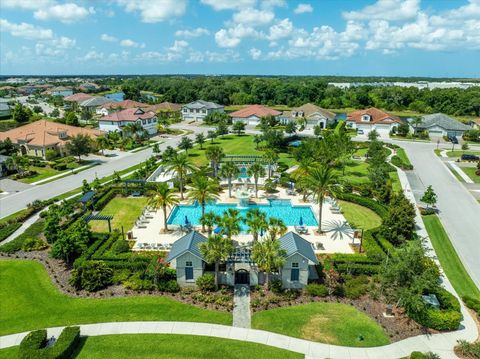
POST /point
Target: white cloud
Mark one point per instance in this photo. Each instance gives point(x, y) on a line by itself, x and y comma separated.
point(253, 17)
point(280, 30)
point(131, 43)
point(223, 39)
point(63, 42)
point(218, 5)
point(108, 38)
point(25, 31)
point(44, 50)
point(231, 37)
point(255, 53)
point(66, 13)
point(26, 4)
point(270, 4)
point(152, 11)
point(93, 55)
point(390, 10)
point(179, 46)
point(199, 31)
point(303, 8)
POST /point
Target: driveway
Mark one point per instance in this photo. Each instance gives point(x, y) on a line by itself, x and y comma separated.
point(10, 186)
point(458, 210)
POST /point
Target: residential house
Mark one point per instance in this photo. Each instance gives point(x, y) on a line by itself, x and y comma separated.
point(309, 115)
point(251, 115)
point(92, 103)
point(109, 107)
point(59, 91)
point(5, 109)
point(78, 97)
point(198, 110)
point(440, 124)
point(116, 121)
point(89, 87)
point(168, 108)
point(371, 119)
point(476, 123)
point(35, 138)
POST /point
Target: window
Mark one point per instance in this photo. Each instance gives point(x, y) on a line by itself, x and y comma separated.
point(294, 265)
point(188, 264)
point(189, 273)
point(294, 274)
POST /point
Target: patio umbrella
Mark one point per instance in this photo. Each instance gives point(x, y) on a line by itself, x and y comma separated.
point(291, 185)
point(301, 221)
point(261, 232)
point(217, 230)
point(187, 222)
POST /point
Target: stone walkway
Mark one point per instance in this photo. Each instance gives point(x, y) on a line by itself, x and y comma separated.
point(241, 306)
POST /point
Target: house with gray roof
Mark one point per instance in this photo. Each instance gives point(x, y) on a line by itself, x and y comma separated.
point(198, 110)
point(92, 103)
point(439, 124)
point(300, 261)
point(5, 109)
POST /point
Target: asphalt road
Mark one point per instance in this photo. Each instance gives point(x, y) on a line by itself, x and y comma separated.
point(17, 201)
point(459, 212)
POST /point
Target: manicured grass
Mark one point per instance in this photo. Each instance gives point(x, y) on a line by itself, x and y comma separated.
point(403, 156)
point(176, 347)
point(460, 153)
point(448, 257)
point(233, 145)
point(46, 172)
point(359, 216)
point(362, 152)
point(9, 353)
point(125, 211)
point(396, 185)
point(356, 172)
point(331, 323)
point(30, 301)
point(470, 172)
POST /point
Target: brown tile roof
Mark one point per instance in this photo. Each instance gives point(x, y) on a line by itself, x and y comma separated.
point(309, 109)
point(78, 97)
point(45, 133)
point(255, 110)
point(164, 106)
point(376, 115)
point(130, 114)
point(122, 104)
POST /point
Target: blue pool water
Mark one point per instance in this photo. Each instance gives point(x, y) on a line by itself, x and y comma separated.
point(117, 96)
point(243, 173)
point(281, 209)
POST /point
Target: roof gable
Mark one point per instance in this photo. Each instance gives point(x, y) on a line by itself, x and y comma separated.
point(292, 243)
point(188, 243)
point(255, 110)
point(443, 121)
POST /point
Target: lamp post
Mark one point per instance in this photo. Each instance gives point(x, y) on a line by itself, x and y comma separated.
point(361, 241)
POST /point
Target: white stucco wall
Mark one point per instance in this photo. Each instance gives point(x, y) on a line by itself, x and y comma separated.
point(180, 263)
point(303, 272)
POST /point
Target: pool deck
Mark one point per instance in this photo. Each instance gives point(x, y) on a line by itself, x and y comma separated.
point(152, 231)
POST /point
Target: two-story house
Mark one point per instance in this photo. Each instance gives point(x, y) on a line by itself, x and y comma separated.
point(309, 115)
point(116, 121)
point(198, 110)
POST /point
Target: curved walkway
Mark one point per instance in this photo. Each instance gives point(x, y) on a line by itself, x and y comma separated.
point(441, 344)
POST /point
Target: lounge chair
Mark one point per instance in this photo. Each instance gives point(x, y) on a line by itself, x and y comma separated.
point(320, 246)
point(301, 229)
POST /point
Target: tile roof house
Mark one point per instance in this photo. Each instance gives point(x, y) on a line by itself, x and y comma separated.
point(440, 124)
point(164, 107)
point(108, 107)
point(37, 137)
point(115, 121)
point(372, 119)
point(77, 97)
point(252, 114)
point(312, 114)
point(198, 110)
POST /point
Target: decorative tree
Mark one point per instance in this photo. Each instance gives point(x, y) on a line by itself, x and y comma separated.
point(180, 165)
point(185, 144)
point(291, 128)
point(270, 157)
point(373, 135)
point(212, 135)
point(80, 145)
point(256, 171)
point(203, 190)
point(256, 220)
point(102, 142)
point(230, 223)
point(200, 139)
point(429, 197)
point(276, 228)
point(269, 256)
point(399, 225)
point(216, 250)
point(229, 170)
point(209, 219)
point(238, 127)
point(215, 155)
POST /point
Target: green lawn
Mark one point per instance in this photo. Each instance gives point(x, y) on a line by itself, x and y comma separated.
point(124, 210)
point(359, 216)
point(356, 172)
point(459, 153)
point(403, 156)
point(30, 301)
point(470, 171)
point(46, 172)
point(176, 347)
point(9, 353)
point(331, 323)
point(451, 263)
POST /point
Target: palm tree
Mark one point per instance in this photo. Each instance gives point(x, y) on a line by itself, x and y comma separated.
point(180, 164)
point(269, 256)
point(102, 143)
point(217, 249)
point(270, 157)
point(209, 219)
point(256, 171)
point(256, 220)
point(203, 190)
point(230, 223)
point(302, 172)
point(229, 170)
point(162, 197)
point(214, 154)
point(134, 129)
point(257, 139)
point(276, 228)
point(415, 122)
point(320, 182)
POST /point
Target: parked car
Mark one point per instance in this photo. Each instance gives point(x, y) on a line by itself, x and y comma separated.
point(467, 157)
point(360, 132)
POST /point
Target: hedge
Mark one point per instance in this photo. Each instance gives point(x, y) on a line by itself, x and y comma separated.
point(105, 198)
point(378, 208)
point(31, 232)
point(8, 230)
point(33, 345)
point(472, 303)
point(357, 268)
point(66, 343)
point(397, 161)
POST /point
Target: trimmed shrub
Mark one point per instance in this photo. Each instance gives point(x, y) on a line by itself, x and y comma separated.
point(66, 343)
point(92, 276)
point(378, 208)
point(206, 282)
point(31, 345)
point(316, 290)
point(356, 287)
point(169, 286)
point(34, 244)
point(276, 286)
point(472, 303)
point(417, 355)
point(6, 231)
point(397, 161)
point(120, 246)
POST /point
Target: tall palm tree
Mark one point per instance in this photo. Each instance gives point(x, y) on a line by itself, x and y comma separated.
point(270, 157)
point(269, 256)
point(102, 143)
point(181, 165)
point(217, 249)
point(320, 182)
point(209, 219)
point(162, 197)
point(256, 171)
point(256, 220)
point(215, 155)
point(276, 228)
point(304, 167)
point(229, 170)
point(230, 223)
point(203, 190)
point(134, 129)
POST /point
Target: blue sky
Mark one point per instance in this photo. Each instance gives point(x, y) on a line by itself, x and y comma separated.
point(264, 37)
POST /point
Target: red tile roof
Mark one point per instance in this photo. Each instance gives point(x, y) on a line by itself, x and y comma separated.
point(130, 114)
point(255, 110)
point(77, 97)
point(122, 104)
point(164, 106)
point(376, 116)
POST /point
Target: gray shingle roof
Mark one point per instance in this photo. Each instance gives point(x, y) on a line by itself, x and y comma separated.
point(202, 104)
point(94, 101)
point(444, 121)
point(188, 243)
point(292, 243)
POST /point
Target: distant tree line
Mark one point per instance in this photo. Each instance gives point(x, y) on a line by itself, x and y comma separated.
point(295, 91)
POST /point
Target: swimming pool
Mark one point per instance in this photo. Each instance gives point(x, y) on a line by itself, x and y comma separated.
point(282, 209)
